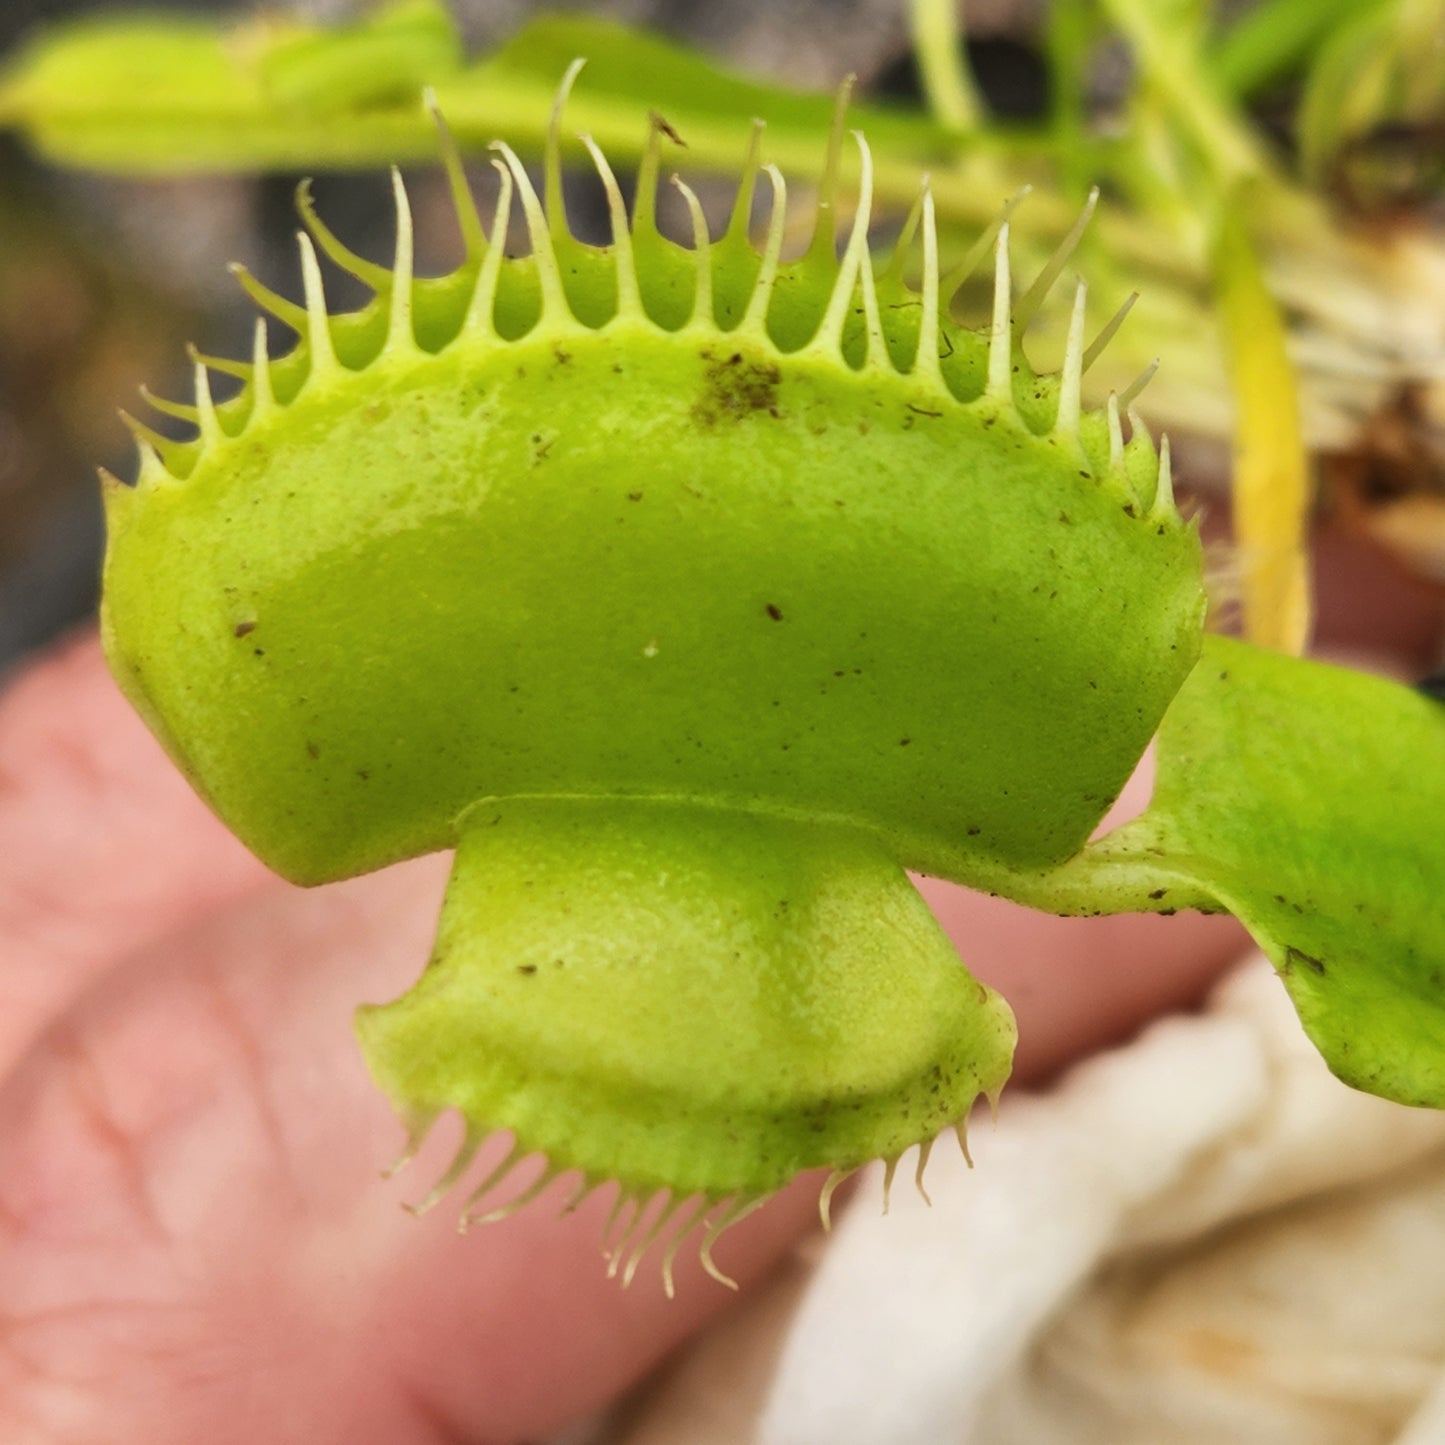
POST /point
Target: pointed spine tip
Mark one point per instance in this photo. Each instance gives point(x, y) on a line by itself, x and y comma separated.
point(208, 420)
point(927, 364)
point(629, 297)
point(481, 318)
point(263, 397)
point(544, 255)
point(925, 1149)
point(1034, 297)
point(1132, 392)
point(464, 203)
point(1111, 327)
point(1071, 374)
point(702, 307)
point(461, 1162)
point(981, 247)
point(287, 312)
point(855, 272)
point(552, 152)
point(400, 334)
point(756, 316)
point(152, 450)
point(1000, 336)
point(1116, 436)
point(741, 220)
point(825, 220)
point(960, 1132)
point(318, 321)
point(1164, 504)
point(890, 1168)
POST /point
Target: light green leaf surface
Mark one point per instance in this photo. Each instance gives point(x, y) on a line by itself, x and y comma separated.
point(1308, 800)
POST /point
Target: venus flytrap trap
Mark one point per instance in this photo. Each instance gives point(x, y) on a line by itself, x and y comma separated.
point(692, 594)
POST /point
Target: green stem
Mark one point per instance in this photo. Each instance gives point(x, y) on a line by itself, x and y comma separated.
point(948, 88)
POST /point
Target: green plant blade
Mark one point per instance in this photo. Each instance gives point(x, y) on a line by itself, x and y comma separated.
point(1309, 801)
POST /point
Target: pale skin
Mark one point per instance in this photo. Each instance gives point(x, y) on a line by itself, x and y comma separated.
point(194, 1240)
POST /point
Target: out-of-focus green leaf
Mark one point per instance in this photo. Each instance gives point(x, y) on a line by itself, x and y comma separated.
point(1271, 40)
point(147, 94)
point(405, 47)
point(1386, 67)
point(158, 95)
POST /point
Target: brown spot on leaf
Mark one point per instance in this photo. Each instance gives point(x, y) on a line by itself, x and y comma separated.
point(1293, 956)
point(736, 388)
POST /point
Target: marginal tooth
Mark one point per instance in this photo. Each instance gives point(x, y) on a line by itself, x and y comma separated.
point(824, 245)
point(981, 247)
point(829, 336)
point(494, 1176)
point(1096, 347)
point(474, 240)
point(644, 194)
point(740, 223)
point(181, 410)
point(825, 1197)
point(1163, 504)
point(877, 356)
point(270, 301)
point(466, 1152)
point(158, 454)
point(757, 313)
point(890, 1167)
point(924, 1150)
point(208, 422)
point(892, 278)
point(623, 1199)
point(1033, 298)
point(416, 1133)
point(147, 453)
point(512, 1206)
point(619, 1251)
point(481, 312)
point(1000, 336)
point(734, 1213)
point(263, 398)
point(399, 328)
point(664, 1217)
point(629, 299)
point(226, 365)
point(1135, 387)
point(926, 361)
point(1071, 374)
point(573, 1202)
point(702, 313)
point(544, 256)
point(318, 321)
point(644, 197)
point(680, 1234)
point(960, 1132)
point(1116, 435)
point(367, 272)
point(552, 155)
